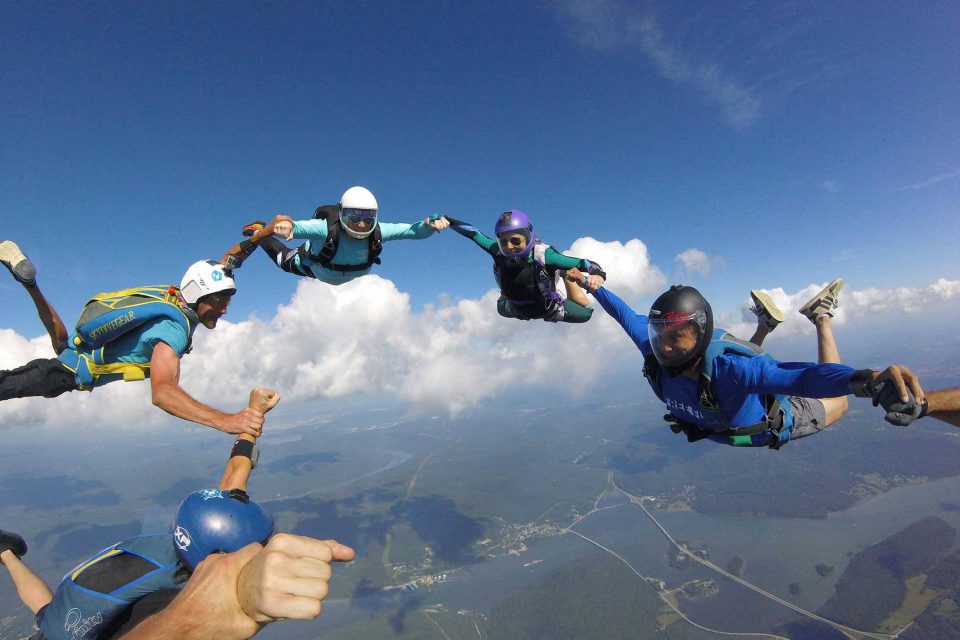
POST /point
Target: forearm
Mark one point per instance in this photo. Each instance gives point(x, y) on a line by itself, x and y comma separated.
point(177, 402)
point(944, 404)
point(238, 468)
point(467, 230)
point(167, 625)
point(804, 379)
point(554, 258)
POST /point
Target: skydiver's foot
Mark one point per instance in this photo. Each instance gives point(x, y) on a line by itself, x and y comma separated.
point(10, 541)
point(767, 312)
point(17, 263)
point(253, 227)
point(824, 303)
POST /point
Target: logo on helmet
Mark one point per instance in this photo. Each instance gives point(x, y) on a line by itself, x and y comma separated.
point(211, 494)
point(182, 538)
point(217, 276)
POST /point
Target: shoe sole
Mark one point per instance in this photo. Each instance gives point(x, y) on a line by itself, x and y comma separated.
point(831, 290)
point(253, 227)
point(766, 303)
point(18, 264)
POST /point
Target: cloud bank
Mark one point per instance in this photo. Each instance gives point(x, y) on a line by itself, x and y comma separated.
point(363, 340)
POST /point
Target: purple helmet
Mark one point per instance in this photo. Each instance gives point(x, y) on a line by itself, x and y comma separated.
point(511, 223)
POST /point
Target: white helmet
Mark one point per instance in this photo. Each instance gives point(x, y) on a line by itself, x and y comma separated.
point(203, 278)
point(358, 207)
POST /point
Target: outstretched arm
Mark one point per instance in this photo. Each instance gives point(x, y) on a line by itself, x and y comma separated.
point(239, 465)
point(467, 230)
point(169, 396)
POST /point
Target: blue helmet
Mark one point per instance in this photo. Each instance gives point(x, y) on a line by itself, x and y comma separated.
point(514, 222)
point(213, 520)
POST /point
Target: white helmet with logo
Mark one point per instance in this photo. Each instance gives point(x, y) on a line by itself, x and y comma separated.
point(203, 278)
point(358, 212)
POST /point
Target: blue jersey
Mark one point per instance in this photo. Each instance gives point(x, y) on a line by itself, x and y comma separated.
point(349, 250)
point(739, 382)
point(135, 346)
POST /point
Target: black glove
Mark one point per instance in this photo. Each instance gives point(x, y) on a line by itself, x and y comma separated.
point(899, 412)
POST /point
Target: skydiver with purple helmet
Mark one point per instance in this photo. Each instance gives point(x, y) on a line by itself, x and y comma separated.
point(527, 271)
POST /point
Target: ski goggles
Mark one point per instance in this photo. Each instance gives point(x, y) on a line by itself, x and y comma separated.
point(355, 216)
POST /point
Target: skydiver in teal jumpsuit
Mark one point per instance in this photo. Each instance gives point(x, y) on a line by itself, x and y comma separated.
point(527, 272)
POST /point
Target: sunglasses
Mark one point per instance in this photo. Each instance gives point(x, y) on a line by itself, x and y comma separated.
point(221, 300)
point(513, 241)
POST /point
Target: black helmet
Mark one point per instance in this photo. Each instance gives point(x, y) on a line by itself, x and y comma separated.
point(678, 308)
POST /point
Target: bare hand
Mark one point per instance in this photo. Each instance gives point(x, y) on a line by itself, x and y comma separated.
point(289, 578)
point(247, 421)
point(263, 399)
point(590, 283)
point(439, 224)
point(593, 283)
point(574, 275)
point(281, 226)
point(902, 378)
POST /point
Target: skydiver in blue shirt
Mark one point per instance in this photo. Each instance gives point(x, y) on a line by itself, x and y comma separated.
point(151, 349)
point(724, 389)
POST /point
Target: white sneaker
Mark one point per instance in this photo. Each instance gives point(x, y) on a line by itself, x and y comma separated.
point(17, 263)
point(824, 302)
point(767, 312)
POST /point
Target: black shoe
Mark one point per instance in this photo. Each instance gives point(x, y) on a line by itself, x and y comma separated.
point(13, 542)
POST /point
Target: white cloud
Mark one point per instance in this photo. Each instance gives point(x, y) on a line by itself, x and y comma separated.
point(627, 265)
point(695, 261)
point(945, 289)
point(363, 339)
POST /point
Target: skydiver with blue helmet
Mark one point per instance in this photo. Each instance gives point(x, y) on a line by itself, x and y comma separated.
point(343, 241)
point(527, 272)
point(128, 335)
point(720, 388)
point(135, 586)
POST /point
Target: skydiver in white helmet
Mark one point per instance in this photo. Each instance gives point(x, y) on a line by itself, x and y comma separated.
point(343, 241)
point(132, 334)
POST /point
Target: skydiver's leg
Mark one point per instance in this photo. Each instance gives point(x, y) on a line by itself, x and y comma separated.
point(575, 293)
point(24, 271)
point(505, 309)
point(284, 257)
point(575, 312)
point(42, 377)
point(768, 316)
point(819, 310)
point(32, 590)
point(50, 319)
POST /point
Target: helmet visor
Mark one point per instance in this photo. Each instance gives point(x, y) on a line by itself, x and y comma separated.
point(358, 220)
point(675, 335)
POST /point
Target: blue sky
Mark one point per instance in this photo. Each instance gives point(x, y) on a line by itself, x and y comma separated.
point(791, 143)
